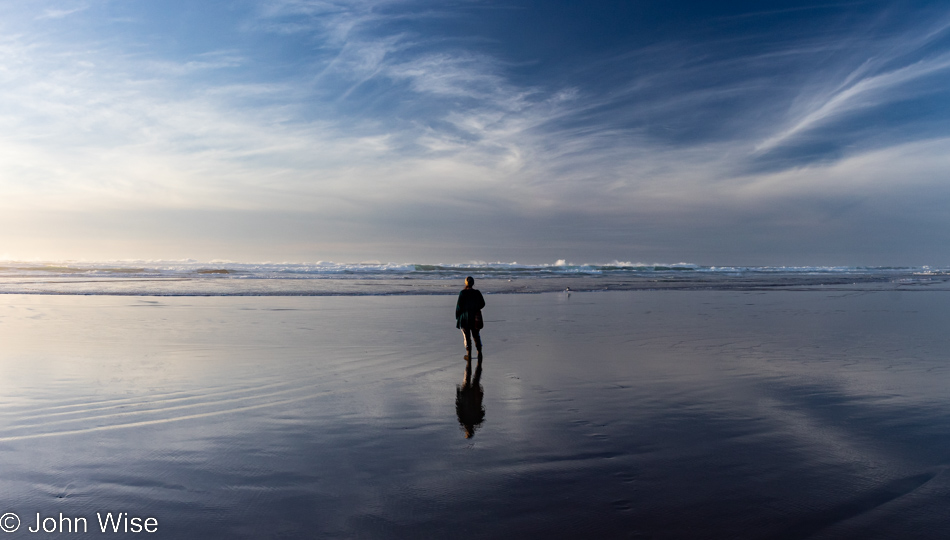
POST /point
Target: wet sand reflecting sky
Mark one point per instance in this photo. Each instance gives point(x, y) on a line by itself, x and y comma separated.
point(676, 414)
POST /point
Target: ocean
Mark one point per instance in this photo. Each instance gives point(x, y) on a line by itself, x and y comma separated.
point(222, 278)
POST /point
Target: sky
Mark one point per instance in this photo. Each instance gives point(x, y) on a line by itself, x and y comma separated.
point(728, 132)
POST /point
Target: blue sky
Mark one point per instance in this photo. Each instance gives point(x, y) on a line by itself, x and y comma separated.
point(452, 131)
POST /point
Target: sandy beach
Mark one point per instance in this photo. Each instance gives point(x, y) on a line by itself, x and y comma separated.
point(646, 414)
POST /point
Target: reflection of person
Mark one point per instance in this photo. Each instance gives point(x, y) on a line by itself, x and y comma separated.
point(468, 400)
point(468, 316)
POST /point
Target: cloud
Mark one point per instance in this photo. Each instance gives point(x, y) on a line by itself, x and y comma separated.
point(51, 13)
point(866, 92)
point(374, 116)
point(875, 82)
point(88, 128)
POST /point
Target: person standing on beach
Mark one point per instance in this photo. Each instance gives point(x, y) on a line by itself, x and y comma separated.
point(468, 317)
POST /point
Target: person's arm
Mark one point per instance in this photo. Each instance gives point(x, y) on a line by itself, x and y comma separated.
point(481, 300)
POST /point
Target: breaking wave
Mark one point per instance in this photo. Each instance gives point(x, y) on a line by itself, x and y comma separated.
point(223, 278)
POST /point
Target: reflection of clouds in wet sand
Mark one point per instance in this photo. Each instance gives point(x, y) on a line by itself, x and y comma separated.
point(653, 413)
point(468, 399)
point(145, 411)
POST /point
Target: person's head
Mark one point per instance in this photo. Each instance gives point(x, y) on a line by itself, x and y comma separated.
point(469, 282)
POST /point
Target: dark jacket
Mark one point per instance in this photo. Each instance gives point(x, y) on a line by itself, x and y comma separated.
point(469, 304)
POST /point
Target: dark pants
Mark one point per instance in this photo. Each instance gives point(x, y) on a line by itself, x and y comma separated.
point(468, 334)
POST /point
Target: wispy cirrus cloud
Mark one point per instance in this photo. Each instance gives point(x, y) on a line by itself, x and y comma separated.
point(52, 13)
point(681, 123)
point(876, 82)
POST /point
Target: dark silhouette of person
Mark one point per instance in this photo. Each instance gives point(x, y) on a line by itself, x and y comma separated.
point(468, 317)
point(468, 400)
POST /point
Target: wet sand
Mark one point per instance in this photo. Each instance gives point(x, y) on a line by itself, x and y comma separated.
point(647, 414)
